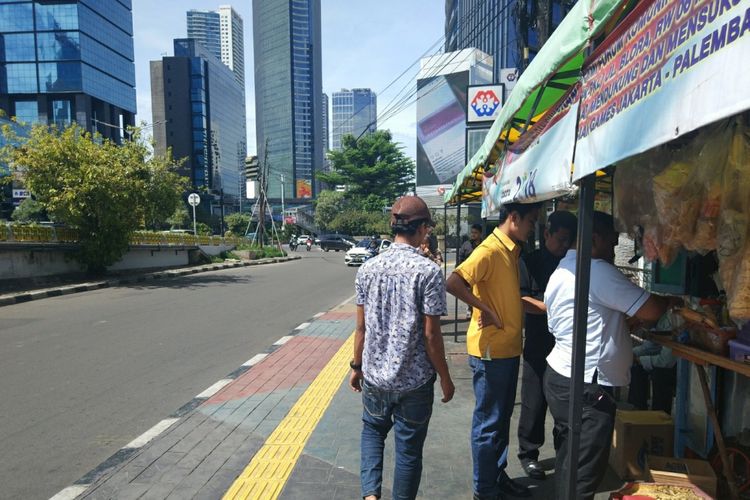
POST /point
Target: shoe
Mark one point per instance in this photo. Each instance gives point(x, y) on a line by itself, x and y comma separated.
point(533, 470)
point(511, 487)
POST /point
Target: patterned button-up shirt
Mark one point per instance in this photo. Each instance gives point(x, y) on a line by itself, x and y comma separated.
point(397, 288)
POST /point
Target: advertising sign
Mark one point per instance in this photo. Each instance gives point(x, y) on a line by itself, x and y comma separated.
point(508, 77)
point(538, 166)
point(20, 194)
point(670, 67)
point(304, 188)
point(484, 103)
point(441, 127)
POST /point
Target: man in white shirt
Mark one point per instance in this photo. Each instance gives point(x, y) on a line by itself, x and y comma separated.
point(609, 352)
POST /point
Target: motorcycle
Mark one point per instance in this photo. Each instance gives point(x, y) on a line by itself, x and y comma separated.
point(293, 246)
point(309, 245)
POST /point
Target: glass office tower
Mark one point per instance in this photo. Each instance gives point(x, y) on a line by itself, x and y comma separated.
point(288, 93)
point(198, 111)
point(68, 61)
point(221, 32)
point(204, 26)
point(355, 113)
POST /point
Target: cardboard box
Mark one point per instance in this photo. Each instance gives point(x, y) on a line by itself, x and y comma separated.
point(639, 434)
point(683, 471)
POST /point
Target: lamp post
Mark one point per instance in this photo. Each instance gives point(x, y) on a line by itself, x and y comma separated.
point(283, 211)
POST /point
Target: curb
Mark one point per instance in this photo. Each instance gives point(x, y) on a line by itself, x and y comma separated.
point(18, 298)
point(80, 486)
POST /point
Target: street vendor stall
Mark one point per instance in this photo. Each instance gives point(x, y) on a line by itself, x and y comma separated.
point(660, 101)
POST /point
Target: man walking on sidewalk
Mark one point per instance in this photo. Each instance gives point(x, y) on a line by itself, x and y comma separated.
point(398, 349)
point(536, 268)
point(489, 282)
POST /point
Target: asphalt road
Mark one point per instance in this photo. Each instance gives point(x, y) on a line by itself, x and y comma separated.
point(84, 374)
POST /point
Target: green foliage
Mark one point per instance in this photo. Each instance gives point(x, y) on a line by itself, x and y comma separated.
point(373, 165)
point(328, 205)
point(237, 223)
point(29, 210)
point(203, 229)
point(103, 190)
point(180, 219)
point(357, 222)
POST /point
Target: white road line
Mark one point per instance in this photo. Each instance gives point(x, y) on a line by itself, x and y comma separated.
point(302, 326)
point(214, 388)
point(283, 340)
point(151, 433)
point(318, 315)
point(347, 301)
point(255, 360)
point(70, 492)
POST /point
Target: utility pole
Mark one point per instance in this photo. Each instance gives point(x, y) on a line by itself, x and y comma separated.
point(283, 211)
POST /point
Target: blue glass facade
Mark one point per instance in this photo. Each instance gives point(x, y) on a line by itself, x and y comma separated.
point(56, 51)
point(288, 93)
point(205, 26)
point(354, 113)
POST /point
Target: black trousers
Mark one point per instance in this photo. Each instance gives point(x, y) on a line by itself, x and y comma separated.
point(597, 425)
point(662, 381)
point(533, 409)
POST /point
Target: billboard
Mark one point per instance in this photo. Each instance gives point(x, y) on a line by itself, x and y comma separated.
point(484, 103)
point(304, 188)
point(441, 127)
point(508, 77)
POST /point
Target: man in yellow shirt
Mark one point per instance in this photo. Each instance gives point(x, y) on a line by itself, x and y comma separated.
point(488, 281)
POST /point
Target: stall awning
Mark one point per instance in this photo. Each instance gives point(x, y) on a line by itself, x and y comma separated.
point(551, 73)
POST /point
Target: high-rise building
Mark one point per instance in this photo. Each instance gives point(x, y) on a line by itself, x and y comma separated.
point(511, 35)
point(195, 111)
point(67, 61)
point(288, 93)
point(326, 128)
point(355, 113)
point(221, 32)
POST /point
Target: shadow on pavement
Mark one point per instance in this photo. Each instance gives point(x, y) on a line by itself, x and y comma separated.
point(189, 282)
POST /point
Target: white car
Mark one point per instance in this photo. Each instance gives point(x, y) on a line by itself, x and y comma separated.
point(359, 253)
point(302, 239)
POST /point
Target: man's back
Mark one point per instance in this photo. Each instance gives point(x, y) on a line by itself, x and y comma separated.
point(397, 289)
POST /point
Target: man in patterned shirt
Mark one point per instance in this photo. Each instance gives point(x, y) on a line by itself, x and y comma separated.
point(398, 349)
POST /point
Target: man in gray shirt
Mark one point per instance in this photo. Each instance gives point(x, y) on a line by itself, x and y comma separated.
point(398, 350)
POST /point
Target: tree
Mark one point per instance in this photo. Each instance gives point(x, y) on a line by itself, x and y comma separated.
point(237, 222)
point(328, 205)
point(180, 219)
point(104, 190)
point(373, 165)
point(357, 222)
point(29, 210)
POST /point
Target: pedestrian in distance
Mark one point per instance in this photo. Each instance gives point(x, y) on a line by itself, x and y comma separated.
point(399, 351)
point(609, 353)
point(488, 281)
point(536, 267)
point(475, 238)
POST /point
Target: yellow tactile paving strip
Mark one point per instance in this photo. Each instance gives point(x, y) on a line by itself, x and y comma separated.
point(270, 468)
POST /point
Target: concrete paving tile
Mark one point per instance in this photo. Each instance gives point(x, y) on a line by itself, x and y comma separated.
point(301, 491)
point(158, 492)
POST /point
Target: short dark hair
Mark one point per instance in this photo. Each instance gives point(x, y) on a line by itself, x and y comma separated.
point(603, 223)
point(521, 208)
point(478, 227)
point(563, 220)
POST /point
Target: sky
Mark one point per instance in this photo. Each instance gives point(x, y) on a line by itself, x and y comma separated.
point(365, 44)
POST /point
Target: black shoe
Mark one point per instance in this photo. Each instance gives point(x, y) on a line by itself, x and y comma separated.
point(533, 469)
point(511, 487)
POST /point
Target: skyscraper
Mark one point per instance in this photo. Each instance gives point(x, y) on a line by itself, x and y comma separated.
point(69, 61)
point(326, 128)
point(355, 113)
point(221, 32)
point(195, 111)
point(288, 93)
point(510, 33)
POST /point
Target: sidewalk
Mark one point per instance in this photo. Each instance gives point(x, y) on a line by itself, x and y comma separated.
point(286, 425)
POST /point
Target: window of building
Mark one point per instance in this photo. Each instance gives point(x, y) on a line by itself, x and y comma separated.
point(57, 16)
point(26, 111)
point(58, 46)
point(16, 17)
point(60, 77)
point(17, 48)
point(19, 79)
point(62, 113)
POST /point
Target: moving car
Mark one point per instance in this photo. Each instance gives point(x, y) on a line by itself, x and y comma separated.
point(364, 250)
point(336, 242)
point(302, 239)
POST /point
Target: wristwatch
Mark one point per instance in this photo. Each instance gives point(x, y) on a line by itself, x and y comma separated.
point(354, 366)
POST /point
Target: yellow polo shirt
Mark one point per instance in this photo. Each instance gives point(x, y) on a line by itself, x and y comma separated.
point(492, 272)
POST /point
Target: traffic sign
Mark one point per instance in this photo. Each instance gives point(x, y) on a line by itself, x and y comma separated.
point(194, 199)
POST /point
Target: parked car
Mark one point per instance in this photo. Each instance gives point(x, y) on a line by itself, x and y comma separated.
point(302, 239)
point(336, 242)
point(365, 250)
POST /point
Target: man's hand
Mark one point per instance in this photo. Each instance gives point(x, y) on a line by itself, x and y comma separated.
point(446, 384)
point(488, 318)
point(355, 380)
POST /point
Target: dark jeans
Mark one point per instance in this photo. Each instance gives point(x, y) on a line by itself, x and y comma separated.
point(662, 381)
point(597, 425)
point(533, 409)
point(495, 392)
point(408, 412)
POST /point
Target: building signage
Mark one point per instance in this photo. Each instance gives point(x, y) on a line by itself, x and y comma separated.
point(20, 194)
point(484, 102)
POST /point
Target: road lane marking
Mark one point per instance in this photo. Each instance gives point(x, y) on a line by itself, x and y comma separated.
point(318, 315)
point(270, 468)
point(215, 388)
point(255, 360)
point(70, 492)
point(346, 301)
point(283, 340)
point(151, 433)
point(303, 326)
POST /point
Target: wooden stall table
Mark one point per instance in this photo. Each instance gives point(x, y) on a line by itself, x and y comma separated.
point(701, 359)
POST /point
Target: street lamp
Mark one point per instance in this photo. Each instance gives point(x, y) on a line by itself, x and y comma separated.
point(283, 212)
